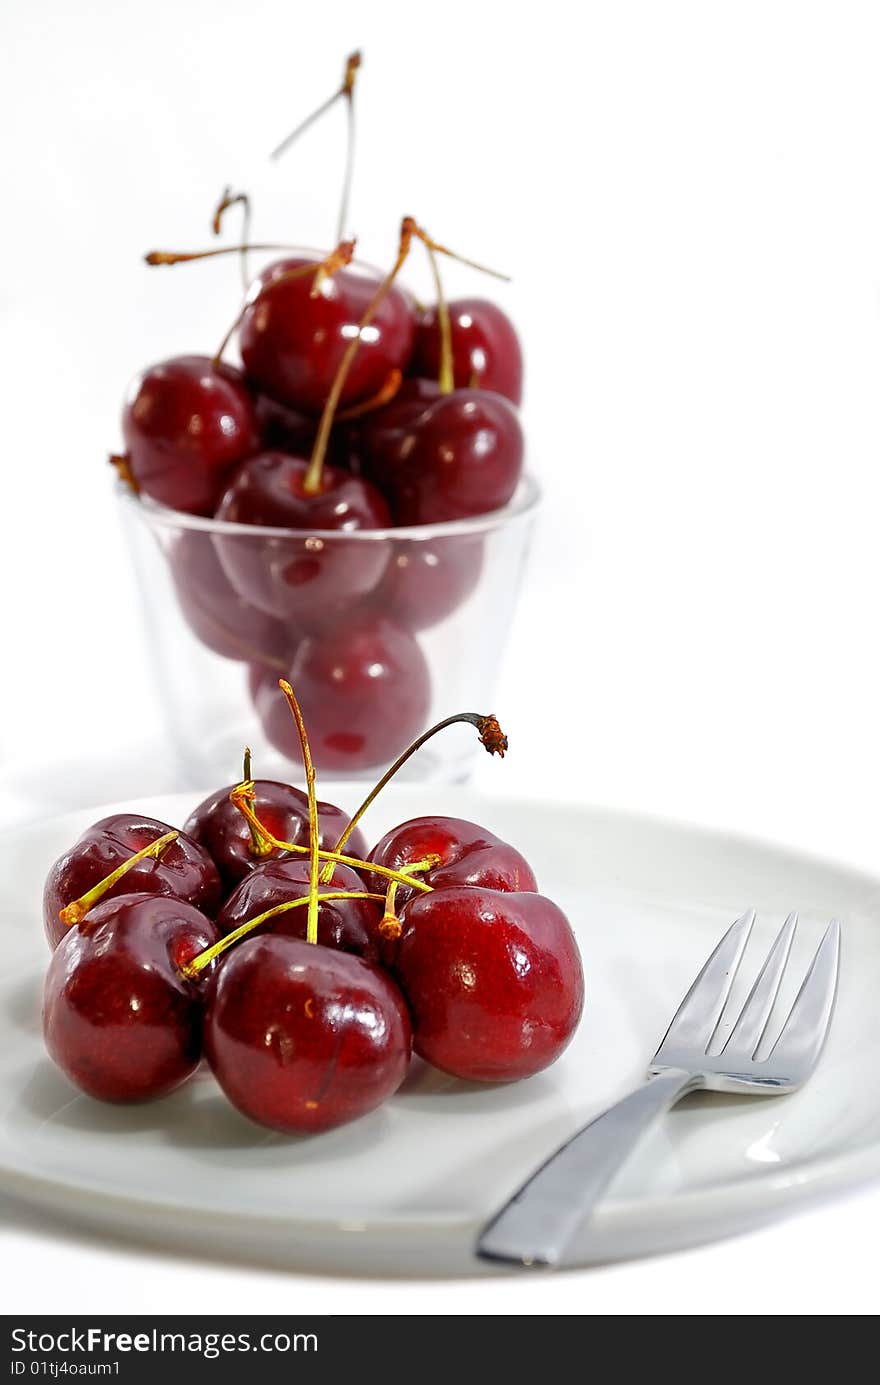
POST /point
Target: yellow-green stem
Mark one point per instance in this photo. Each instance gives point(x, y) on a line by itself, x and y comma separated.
point(447, 375)
point(232, 199)
point(312, 480)
point(78, 908)
point(314, 832)
point(260, 844)
point(239, 800)
point(203, 959)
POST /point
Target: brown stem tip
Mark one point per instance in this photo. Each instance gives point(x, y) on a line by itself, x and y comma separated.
point(491, 736)
point(119, 461)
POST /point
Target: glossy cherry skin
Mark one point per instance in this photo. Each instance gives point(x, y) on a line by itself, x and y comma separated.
point(293, 342)
point(364, 689)
point(427, 580)
point(215, 612)
point(485, 348)
point(218, 826)
point(187, 423)
point(119, 1018)
point(468, 855)
point(493, 980)
point(301, 1037)
point(184, 870)
point(445, 457)
point(351, 925)
point(309, 578)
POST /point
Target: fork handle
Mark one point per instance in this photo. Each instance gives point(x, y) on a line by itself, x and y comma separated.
point(536, 1226)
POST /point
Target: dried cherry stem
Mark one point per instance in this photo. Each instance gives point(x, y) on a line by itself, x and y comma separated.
point(78, 908)
point(324, 269)
point(260, 845)
point(231, 199)
point(312, 479)
point(312, 921)
point(198, 963)
point(376, 401)
point(243, 795)
point(491, 736)
point(345, 92)
point(122, 465)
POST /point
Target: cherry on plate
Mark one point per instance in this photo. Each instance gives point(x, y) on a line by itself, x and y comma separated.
point(493, 980)
point(302, 1038)
point(119, 1016)
point(466, 853)
point(350, 925)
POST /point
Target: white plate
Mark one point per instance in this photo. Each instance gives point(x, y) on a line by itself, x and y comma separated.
point(404, 1189)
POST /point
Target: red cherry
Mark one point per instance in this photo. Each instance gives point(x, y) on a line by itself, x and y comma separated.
point(307, 578)
point(184, 870)
point(348, 924)
point(468, 855)
point(485, 347)
point(218, 826)
point(364, 688)
point(215, 612)
point(426, 580)
point(119, 1017)
point(187, 422)
point(293, 340)
point(494, 981)
point(302, 1038)
point(444, 457)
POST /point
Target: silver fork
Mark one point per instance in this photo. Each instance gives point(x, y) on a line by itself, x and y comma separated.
point(537, 1225)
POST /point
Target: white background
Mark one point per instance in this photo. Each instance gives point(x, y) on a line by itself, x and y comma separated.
point(688, 197)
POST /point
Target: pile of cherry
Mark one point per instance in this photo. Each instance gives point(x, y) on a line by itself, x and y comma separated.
point(304, 968)
point(355, 409)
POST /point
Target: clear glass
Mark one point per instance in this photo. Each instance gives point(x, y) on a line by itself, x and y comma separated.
point(381, 633)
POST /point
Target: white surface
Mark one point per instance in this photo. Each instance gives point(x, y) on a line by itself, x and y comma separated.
point(687, 196)
point(406, 1190)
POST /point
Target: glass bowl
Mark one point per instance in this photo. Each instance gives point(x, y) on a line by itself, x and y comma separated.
point(380, 632)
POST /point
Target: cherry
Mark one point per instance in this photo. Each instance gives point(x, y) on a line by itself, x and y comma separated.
point(348, 924)
point(215, 612)
point(301, 1037)
point(218, 826)
point(187, 422)
point(303, 578)
point(485, 347)
point(466, 855)
point(119, 1017)
point(283, 429)
point(293, 340)
point(184, 870)
point(493, 980)
point(439, 457)
point(364, 688)
point(426, 580)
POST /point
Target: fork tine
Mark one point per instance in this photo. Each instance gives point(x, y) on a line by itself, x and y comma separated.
point(755, 1015)
point(803, 1033)
point(696, 1018)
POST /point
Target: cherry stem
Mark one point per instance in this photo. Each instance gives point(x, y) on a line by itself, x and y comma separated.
point(344, 92)
point(314, 847)
point(260, 844)
point(312, 480)
point(446, 380)
point(203, 959)
point(324, 269)
point(491, 736)
point(119, 461)
point(172, 257)
point(239, 799)
point(78, 908)
point(376, 401)
point(231, 199)
point(390, 924)
point(438, 249)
